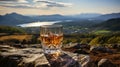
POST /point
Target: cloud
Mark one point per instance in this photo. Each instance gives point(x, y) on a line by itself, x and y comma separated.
point(8, 0)
point(54, 3)
point(33, 4)
point(18, 6)
point(14, 0)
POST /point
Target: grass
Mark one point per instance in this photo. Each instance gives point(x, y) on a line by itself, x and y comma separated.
point(18, 37)
point(102, 31)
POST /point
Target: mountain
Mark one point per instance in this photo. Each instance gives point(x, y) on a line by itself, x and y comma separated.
point(111, 24)
point(107, 16)
point(86, 15)
point(14, 19)
point(77, 23)
point(54, 17)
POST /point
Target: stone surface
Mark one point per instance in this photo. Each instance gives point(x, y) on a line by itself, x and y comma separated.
point(105, 63)
point(27, 57)
point(100, 49)
point(80, 51)
point(34, 57)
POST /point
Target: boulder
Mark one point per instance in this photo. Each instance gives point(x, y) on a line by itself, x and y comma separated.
point(100, 49)
point(105, 63)
point(34, 57)
point(92, 64)
point(81, 51)
point(115, 46)
point(81, 46)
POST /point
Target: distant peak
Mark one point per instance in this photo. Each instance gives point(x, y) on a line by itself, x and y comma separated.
point(57, 14)
point(10, 13)
point(51, 15)
point(13, 14)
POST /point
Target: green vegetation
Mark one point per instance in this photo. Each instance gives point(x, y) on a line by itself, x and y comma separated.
point(11, 30)
point(23, 39)
point(111, 25)
point(15, 38)
point(101, 31)
point(93, 39)
point(78, 38)
point(114, 39)
point(83, 32)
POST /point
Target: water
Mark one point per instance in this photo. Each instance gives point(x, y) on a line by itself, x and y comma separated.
point(38, 24)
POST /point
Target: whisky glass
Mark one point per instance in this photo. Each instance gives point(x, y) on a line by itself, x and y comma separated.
point(51, 38)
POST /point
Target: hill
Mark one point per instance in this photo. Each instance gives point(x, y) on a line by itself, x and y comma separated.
point(111, 24)
point(86, 15)
point(80, 23)
point(54, 17)
point(10, 30)
point(14, 19)
point(107, 16)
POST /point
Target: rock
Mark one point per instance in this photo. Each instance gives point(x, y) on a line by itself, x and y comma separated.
point(81, 46)
point(92, 64)
point(115, 46)
point(100, 49)
point(19, 46)
point(105, 63)
point(42, 62)
point(34, 57)
point(63, 60)
point(81, 51)
point(84, 60)
point(27, 57)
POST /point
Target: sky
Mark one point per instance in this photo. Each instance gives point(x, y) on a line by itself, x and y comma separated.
point(64, 7)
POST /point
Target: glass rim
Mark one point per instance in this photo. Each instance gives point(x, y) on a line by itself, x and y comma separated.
point(51, 26)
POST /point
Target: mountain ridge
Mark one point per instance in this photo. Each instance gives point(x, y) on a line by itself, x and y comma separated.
point(108, 16)
point(14, 19)
point(86, 15)
point(111, 24)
